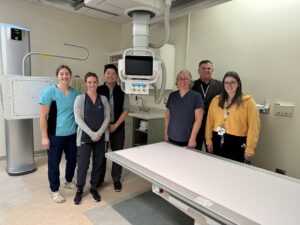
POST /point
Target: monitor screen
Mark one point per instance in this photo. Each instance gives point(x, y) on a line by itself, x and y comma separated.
point(139, 65)
point(16, 34)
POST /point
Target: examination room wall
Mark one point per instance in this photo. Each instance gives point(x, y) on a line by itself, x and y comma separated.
point(260, 40)
point(50, 29)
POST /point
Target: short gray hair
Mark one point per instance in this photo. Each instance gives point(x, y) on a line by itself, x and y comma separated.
point(189, 75)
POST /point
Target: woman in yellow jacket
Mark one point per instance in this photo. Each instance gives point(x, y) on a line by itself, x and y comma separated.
point(232, 127)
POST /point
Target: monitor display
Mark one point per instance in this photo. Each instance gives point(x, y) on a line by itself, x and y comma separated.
point(16, 34)
point(139, 65)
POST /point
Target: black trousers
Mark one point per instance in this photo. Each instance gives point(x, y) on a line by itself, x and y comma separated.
point(116, 141)
point(97, 149)
point(232, 148)
point(58, 145)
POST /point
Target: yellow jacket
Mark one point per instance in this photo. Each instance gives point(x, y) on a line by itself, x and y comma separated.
point(241, 121)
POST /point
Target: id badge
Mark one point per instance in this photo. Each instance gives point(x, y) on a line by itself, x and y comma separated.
point(221, 131)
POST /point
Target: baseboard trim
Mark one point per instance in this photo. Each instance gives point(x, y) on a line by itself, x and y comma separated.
point(36, 153)
point(40, 152)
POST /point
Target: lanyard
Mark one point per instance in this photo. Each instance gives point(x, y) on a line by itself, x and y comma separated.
point(226, 114)
point(204, 92)
point(222, 129)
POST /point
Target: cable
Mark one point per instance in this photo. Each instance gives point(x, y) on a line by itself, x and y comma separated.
point(158, 96)
point(167, 28)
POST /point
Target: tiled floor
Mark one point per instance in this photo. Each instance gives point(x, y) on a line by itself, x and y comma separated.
point(26, 199)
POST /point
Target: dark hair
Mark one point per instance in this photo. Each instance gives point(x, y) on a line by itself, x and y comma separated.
point(110, 66)
point(237, 98)
point(90, 74)
point(204, 62)
point(63, 67)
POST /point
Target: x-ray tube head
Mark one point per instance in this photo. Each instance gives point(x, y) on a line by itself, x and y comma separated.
point(139, 68)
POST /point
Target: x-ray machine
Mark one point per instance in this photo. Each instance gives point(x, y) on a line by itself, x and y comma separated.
point(18, 134)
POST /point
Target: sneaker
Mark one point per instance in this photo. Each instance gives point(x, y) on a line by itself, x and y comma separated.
point(71, 185)
point(57, 197)
point(117, 186)
point(95, 195)
point(78, 196)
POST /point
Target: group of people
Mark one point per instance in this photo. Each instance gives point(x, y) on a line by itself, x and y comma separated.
point(212, 114)
point(82, 126)
point(205, 113)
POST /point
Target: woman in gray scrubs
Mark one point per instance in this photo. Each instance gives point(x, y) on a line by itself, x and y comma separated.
point(92, 114)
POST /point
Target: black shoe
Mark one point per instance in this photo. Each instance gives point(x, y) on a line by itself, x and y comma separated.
point(78, 196)
point(95, 195)
point(117, 186)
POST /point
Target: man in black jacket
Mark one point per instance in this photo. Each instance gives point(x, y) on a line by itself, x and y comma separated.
point(119, 107)
point(208, 89)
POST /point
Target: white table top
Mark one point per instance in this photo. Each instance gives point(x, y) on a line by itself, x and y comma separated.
point(262, 196)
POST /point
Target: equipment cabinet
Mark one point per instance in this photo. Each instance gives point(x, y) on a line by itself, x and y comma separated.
point(138, 137)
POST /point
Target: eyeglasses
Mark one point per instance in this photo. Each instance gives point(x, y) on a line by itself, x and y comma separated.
point(230, 83)
point(183, 79)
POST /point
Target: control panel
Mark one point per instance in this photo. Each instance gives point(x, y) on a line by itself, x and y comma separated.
point(136, 87)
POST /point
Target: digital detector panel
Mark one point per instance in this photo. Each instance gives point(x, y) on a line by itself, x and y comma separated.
point(20, 95)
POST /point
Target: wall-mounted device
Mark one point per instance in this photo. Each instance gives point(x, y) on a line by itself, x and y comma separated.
point(281, 109)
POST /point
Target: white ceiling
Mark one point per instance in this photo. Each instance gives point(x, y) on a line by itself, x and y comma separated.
point(114, 10)
point(120, 18)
